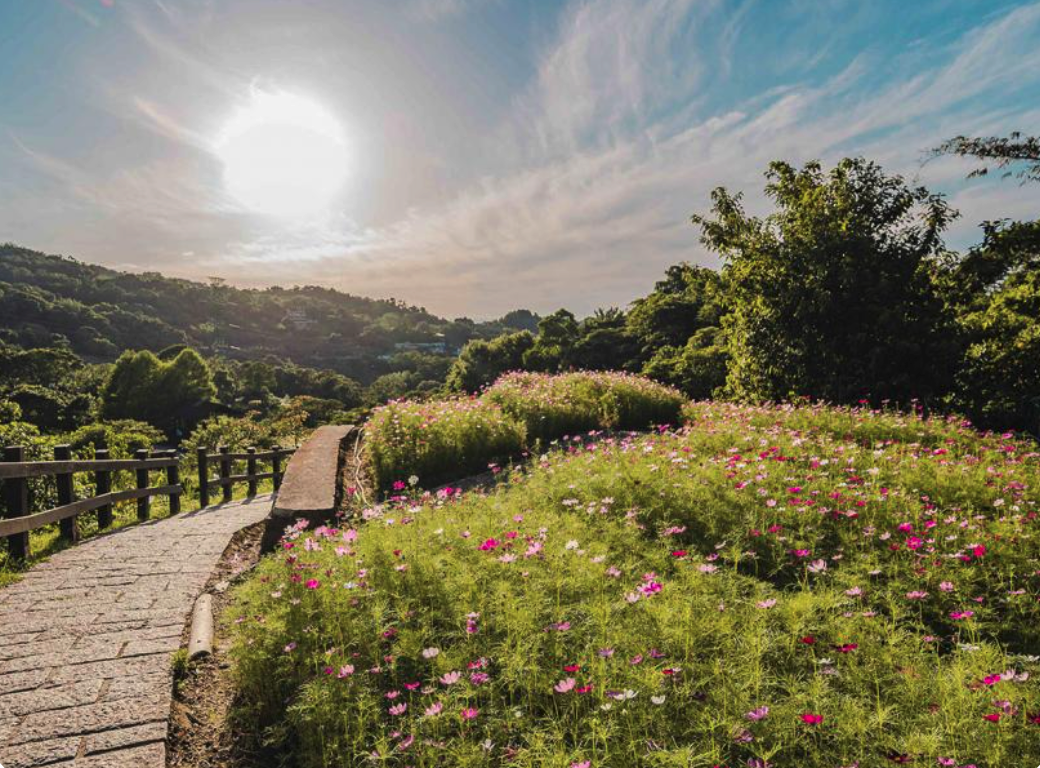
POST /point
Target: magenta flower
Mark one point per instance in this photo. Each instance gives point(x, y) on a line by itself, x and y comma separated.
point(811, 719)
point(470, 713)
point(313, 584)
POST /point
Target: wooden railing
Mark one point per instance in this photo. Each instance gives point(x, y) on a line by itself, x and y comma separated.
point(16, 522)
point(15, 473)
point(224, 460)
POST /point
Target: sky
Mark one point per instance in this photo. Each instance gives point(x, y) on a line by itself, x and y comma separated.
point(489, 154)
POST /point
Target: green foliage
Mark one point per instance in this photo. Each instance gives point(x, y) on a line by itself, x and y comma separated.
point(672, 600)
point(171, 395)
point(552, 407)
point(834, 294)
point(698, 369)
point(557, 335)
point(481, 362)
point(438, 440)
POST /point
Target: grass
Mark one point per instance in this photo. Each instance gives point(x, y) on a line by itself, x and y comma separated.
point(781, 587)
point(438, 440)
point(551, 407)
point(445, 440)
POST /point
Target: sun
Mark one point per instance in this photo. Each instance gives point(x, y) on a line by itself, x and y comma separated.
point(283, 155)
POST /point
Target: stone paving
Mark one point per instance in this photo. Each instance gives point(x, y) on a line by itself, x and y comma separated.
point(86, 640)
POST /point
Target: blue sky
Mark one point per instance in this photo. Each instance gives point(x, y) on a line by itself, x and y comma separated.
point(502, 153)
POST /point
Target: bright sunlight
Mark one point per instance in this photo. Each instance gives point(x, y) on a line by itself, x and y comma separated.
point(283, 155)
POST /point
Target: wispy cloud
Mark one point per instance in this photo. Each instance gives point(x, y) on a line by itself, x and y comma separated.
point(436, 10)
point(604, 194)
point(583, 194)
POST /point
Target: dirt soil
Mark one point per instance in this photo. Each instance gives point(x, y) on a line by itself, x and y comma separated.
point(201, 732)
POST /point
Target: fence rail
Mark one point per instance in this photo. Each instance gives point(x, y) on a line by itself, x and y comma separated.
point(224, 461)
point(16, 521)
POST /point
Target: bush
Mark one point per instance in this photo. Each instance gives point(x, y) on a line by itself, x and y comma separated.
point(553, 406)
point(769, 587)
point(438, 440)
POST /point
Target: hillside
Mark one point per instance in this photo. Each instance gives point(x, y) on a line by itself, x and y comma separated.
point(765, 586)
point(102, 312)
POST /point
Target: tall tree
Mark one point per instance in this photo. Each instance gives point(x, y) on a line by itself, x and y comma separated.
point(834, 294)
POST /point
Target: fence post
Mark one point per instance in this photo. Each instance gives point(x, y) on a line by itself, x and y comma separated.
point(143, 503)
point(16, 499)
point(103, 483)
point(251, 471)
point(276, 466)
point(203, 460)
point(173, 477)
point(66, 492)
point(225, 472)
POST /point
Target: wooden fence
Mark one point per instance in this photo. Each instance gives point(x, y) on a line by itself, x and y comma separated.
point(16, 521)
point(224, 460)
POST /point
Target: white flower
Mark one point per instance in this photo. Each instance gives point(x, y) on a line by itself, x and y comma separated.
point(413, 480)
point(658, 699)
point(572, 544)
point(431, 653)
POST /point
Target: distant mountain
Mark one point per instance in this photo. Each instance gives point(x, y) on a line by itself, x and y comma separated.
point(101, 312)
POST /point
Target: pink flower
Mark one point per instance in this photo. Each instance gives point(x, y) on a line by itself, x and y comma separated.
point(582, 764)
point(766, 604)
point(345, 671)
point(489, 545)
point(450, 678)
point(313, 584)
point(946, 586)
point(434, 709)
point(479, 678)
point(958, 615)
point(470, 713)
point(757, 714)
point(916, 595)
point(565, 685)
point(811, 719)
point(399, 709)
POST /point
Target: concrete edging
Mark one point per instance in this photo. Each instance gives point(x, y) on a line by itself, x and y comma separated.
point(310, 487)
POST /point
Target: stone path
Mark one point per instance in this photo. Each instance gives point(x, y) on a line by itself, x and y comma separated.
point(86, 641)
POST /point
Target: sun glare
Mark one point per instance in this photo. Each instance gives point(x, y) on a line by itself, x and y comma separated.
point(283, 155)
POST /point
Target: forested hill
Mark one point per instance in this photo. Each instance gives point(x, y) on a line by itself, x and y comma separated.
point(102, 312)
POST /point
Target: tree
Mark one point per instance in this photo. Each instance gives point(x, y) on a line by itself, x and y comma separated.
point(1007, 153)
point(997, 290)
point(834, 295)
point(687, 300)
point(481, 362)
point(557, 334)
point(171, 395)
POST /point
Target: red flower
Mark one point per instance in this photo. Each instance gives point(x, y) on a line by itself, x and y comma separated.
point(807, 640)
point(993, 717)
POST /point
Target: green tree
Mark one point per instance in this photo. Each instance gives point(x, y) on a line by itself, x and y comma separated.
point(481, 362)
point(997, 289)
point(688, 299)
point(834, 295)
point(557, 335)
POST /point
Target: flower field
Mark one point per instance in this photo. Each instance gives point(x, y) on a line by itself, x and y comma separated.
point(785, 587)
point(439, 440)
point(447, 439)
point(553, 406)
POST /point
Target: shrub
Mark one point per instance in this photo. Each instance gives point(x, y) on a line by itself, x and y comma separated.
point(553, 406)
point(763, 588)
point(438, 440)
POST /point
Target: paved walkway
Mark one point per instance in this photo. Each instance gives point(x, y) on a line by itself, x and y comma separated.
point(86, 640)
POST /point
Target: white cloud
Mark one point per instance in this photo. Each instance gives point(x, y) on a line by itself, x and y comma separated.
point(602, 203)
